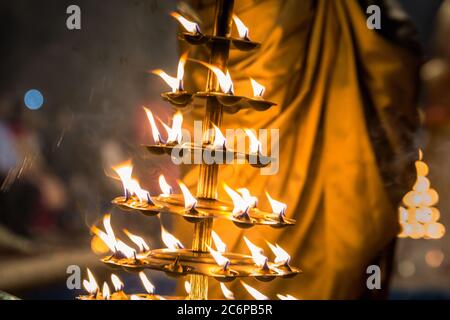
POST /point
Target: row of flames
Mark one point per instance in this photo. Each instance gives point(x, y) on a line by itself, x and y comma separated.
point(175, 134)
point(224, 78)
point(122, 250)
point(420, 218)
point(242, 199)
point(91, 286)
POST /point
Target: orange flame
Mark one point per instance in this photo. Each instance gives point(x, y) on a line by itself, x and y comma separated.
point(165, 187)
point(257, 253)
point(220, 245)
point(241, 28)
point(169, 240)
point(175, 83)
point(219, 139)
point(187, 287)
point(131, 186)
point(226, 292)
point(190, 26)
point(240, 206)
point(189, 201)
point(281, 256)
point(255, 144)
point(286, 297)
point(137, 240)
point(219, 258)
point(175, 134)
point(155, 131)
point(251, 201)
point(258, 89)
point(90, 285)
point(149, 287)
point(277, 206)
point(253, 292)
point(106, 293)
point(225, 82)
point(118, 284)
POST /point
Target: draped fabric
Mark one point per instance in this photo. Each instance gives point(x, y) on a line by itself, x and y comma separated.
point(346, 115)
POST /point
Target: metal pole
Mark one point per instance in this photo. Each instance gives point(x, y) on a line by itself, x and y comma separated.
point(207, 182)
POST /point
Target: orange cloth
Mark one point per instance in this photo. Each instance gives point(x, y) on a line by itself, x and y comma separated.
point(346, 114)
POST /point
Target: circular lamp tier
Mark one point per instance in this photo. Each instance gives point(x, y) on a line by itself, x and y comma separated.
point(235, 43)
point(181, 262)
point(231, 103)
point(205, 208)
point(125, 296)
point(213, 155)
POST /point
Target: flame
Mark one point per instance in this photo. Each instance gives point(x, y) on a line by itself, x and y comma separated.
point(125, 249)
point(106, 293)
point(225, 82)
point(135, 297)
point(258, 89)
point(277, 206)
point(111, 243)
point(155, 131)
point(257, 253)
point(241, 27)
point(220, 245)
point(137, 240)
point(176, 83)
point(189, 201)
point(169, 240)
point(281, 256)
point(187, 287)
point(255, 144)
point(175, 134)
point(253, 292)
point(149, 287)
point(190, 26)
point(165, 187)
point(226, 292)
point(90, 285)
point(124, 171)
point(219, 139)
point(251, 201)
point(286, 297)
point(219, 258)
point(240, 205)
point(118, 284)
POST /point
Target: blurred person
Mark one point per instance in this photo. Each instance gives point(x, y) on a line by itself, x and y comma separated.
point(346, 111)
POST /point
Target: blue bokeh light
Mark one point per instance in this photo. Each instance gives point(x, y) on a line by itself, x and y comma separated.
point(33, 99)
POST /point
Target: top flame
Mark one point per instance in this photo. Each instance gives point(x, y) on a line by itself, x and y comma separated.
point(175, 134)
point(175, 83)
point(258, 89)
point(219, 139)
point(253, 292)
point(169, 240)
point(220, 245)
point(105, 291)
point(90, 285)
point(118, 284)
point(190, 26)
point(281, 256)
point(165, 187)
point(149, 287)
point(155, 131)
point(189, 201)
point(219, 258)
point(251, 201)
point(257, 253)
point(277, 206)
point(240, 206)
point(255, 144)
point(241, 27)
point(226, 292)
point(137, 240)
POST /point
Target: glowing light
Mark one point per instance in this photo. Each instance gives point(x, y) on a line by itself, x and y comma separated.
point(149, 287)
point(277, 206)
point(165, 187)
point(90, 285)
point(137, 240)
point(118, 284)
point(106, 293)
point(241, 27)
point(187, 287)
point(169, 240)
point(189, 201)
point(255, 145)
point(189, 26)
point(219, 258)
point(258, 89)
point(219, 139)
point(253, 292)
point(257, 253)
point(226, 292)
point(281, 256)
point(286, 297)
point(251, 201)
point(175, 83)
point(155, 132)
point(175, 133)
point(220, 245)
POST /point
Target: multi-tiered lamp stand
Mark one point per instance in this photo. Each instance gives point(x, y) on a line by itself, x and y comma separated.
point(201, 261)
